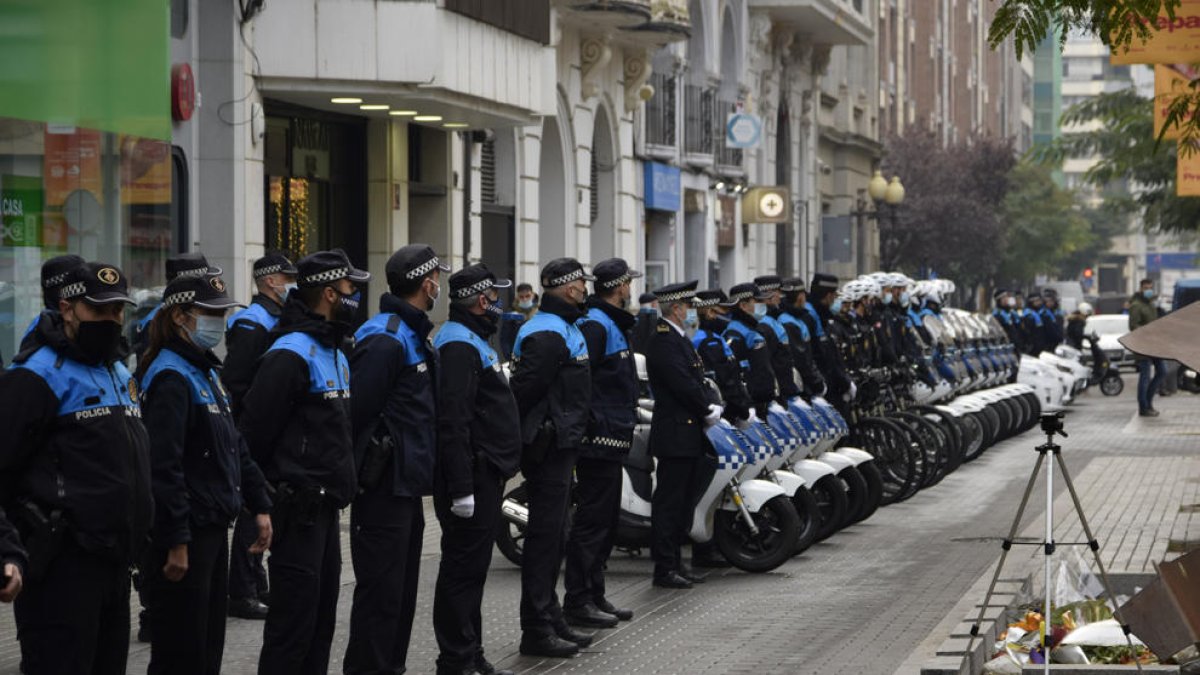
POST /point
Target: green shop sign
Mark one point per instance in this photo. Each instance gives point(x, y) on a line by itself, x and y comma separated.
point(21, 200)
point(96, 64)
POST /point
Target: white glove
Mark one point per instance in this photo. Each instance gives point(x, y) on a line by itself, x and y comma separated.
point(463, 507)
point(851, 393)
point(714, 414)
point(753, 415)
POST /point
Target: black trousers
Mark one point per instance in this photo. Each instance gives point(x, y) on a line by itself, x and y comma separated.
point(305, 568)
point(548, 484)
point(75, 619)
point(466, 556)
point(593, 529)
point(385, 548)
point(247, 576)
point(679, 484)
point(188, 616)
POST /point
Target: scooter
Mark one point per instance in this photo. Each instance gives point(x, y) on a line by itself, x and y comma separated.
point(1103, 372)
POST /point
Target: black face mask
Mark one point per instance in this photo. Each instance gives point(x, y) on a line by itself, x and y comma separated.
point(347, 307)
point(100, 341)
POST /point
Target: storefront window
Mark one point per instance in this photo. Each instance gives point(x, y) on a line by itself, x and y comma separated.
point(63, 189)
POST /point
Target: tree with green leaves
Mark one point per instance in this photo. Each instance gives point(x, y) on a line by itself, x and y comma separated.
point(1043, 227)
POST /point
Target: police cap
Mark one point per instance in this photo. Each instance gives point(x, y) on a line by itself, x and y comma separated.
point(768, 283)
point(273, 263)
point(711, 297)
point(207, 292)
point(612, 273)
point(823, 283)
point(325, 267)
point(744, 292)
point(792, 285)
point(562, 271)
point(56, 273)
point(473, 280)
point(98, 284)
point(189, 265)
point(410, 265)
point(680, 292)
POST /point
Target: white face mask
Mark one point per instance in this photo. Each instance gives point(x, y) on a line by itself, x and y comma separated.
point(287, 290)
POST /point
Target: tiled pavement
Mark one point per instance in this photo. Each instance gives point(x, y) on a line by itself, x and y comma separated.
point(862, 602)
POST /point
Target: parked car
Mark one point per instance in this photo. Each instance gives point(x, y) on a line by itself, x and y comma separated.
point(1110, 327)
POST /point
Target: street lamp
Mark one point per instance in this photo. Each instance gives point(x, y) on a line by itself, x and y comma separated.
point(883, 193)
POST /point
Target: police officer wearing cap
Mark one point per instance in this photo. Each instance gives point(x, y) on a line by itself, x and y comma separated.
point(72, 418)
point(720, 364)
point(682, 411)
point(201, 472)
point(647, 322)
point(822, 291)
point(479, 449)
point(750, 347)
point(800, 337)
point(606, 328)
point(394, 373)
point(296, 420)
point(56, 272)
point(776, 336)
point(552, 384)
point(247, 336)
point(177, 266)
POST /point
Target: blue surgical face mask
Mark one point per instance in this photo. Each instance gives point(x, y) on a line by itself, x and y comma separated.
point(690, 319)
point(525, 304)
point(651, 310)
point(887, 299)
point(1148, 293)
point(836, 307)
point(760, 310)
point(905, 299)
point(287, 291)
point(209, 332)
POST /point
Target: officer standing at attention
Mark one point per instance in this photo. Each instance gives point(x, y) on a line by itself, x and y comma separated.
point(719, 362)
point(393, 371)
point(647, 320)
point(778, 342)
point(479, 449)
point(71, 418)
point(608, 440)
point(55, 274)
point(201, 470)
point(296, 420)
point(800, 339)
point(247, 336)
point(552, 384)
point(677, 440)
point(177, 266)
point(750, 347)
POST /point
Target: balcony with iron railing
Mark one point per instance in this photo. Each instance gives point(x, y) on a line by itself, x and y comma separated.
point(729, 160)
point(662, 138)
point(698, 128)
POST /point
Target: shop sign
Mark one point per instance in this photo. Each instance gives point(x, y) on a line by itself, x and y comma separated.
point(742, 130)
point(71, 161)
point(21, 204)
point(1171, 40)
point(767, 204)
point(1170, 82)
point(663, 187)
point(1187, 173)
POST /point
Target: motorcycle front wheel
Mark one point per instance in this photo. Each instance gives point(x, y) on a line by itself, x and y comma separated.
point(510, 537)
point(1112, 385)
point(778, 528)
point(808, 515)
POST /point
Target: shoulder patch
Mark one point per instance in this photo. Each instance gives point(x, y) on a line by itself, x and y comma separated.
point(662, 328)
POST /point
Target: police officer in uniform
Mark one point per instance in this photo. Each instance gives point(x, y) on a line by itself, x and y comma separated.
point(393, 370)
point(71, 418)
point(247, 336)
point(800, 338)
point(606, 329)
point(296, 420)
point(1034, 324)
point(719, 362)
point(479, 449)
point(201, 470)
point(647, 321)
point(823, 292)
point(177, 266)
point(750, 347)
point(552, 384)
point(777, 337)
point(55, 274)
point(683, 453)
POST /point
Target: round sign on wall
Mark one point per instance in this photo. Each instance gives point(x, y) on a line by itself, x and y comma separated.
point(743, 130)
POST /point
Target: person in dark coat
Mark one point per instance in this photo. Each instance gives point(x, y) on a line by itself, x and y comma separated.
point(823, 291)
point(647, 320)
point(551, 381)
point(1037, 333)
point(720, 365)
point(72, 418)
point(296, 418)
point(678, 443)
point(800, 337)
point(247, 336)
point(609, 437)
point(750, 347)
point(181, 265)
point(201, 472)
point(393, 395)
point(479, 449)
point(777, 336)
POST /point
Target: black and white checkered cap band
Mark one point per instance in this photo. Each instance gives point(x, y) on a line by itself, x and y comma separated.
point(55, 280)
point(763, 288)
point(676, 296)
point(473, 289)
point(268, 270)
point(705, 302)
point(189, 274)
point(565, 279)
point(72, 290)
point(422, 269)
point(741, 296)
point(180, 298)
point(613, 283)
point(328, 275)
point(605, 442)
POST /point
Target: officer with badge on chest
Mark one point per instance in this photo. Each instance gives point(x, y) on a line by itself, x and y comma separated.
point(684, 455)
point(606, 330)
point(296, 420)
point(71, 418)
point(393, 371)
point(552, 384)
point(182, 265)
point(247, 336)
point(479, 449)
point(201, 471)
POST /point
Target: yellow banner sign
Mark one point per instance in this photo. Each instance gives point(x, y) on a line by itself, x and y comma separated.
point(1172, 40)
point(1170, 82)
point(1187, 173)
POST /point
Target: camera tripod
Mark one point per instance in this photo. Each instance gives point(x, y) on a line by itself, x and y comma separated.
point(1052, 425)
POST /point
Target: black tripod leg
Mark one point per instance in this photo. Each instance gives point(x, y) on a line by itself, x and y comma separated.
point(1007, 545)
point(1095, 547)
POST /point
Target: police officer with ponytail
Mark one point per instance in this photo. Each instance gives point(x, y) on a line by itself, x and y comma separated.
point(75, 481)
point(478, 450)
point(201, 472)
point(296, 420)
point(394, 397)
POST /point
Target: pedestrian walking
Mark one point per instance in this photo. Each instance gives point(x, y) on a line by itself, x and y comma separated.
point(200, 471)
point(296, 421)
point(247, 337)
point(551, 382)
point(393, 372)
point(1141, 312)
point(72, 418)
point(479, 449)
point(606, 329)
point(684, 456)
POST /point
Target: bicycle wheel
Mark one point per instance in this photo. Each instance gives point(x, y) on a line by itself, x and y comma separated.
point(888, 443)
point(951, 429)
point(974, 436)
point(932, 444)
